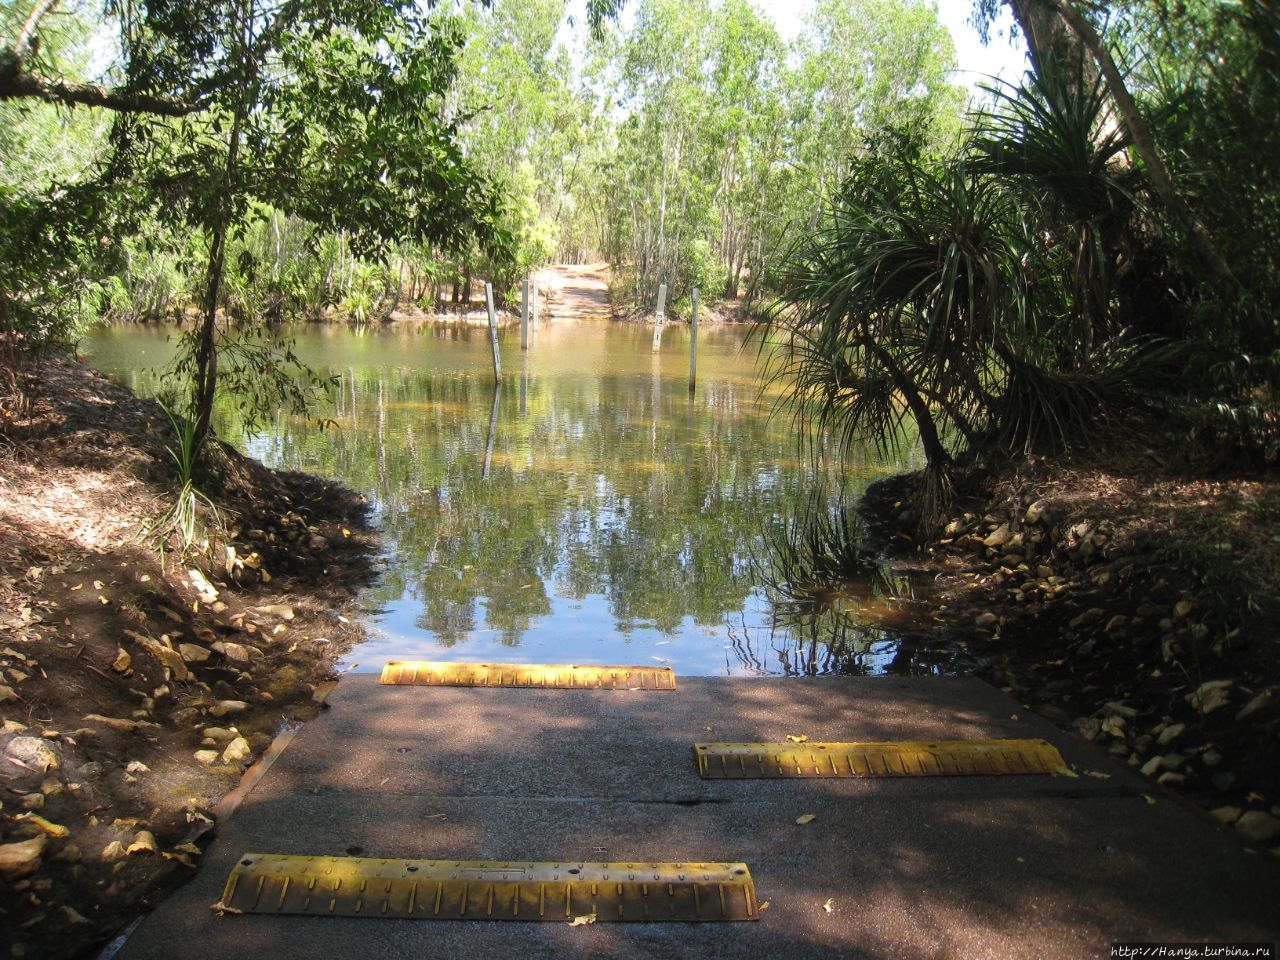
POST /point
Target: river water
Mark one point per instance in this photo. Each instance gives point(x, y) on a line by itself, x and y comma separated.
point(590, 510)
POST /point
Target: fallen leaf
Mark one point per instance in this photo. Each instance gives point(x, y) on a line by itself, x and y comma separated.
point(806, 818)
point(73, 916)
point(1061, 770)
point(827, 906)
point(1151, 801)
point(117, 723)
point(144, 842)
point(1097, 774)
point(583, 920)
point(797, 739)
point(222, 910)
point(1113, 725)
point(764, 906)
point(44, 826)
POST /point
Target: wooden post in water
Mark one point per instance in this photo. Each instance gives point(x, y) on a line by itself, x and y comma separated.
point(693, 344)
point(524, 314)
point(493, 431)
point(493, 332)
point(660, 317)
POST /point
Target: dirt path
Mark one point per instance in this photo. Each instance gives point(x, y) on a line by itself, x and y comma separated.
point(575, 292)
point(134, 688)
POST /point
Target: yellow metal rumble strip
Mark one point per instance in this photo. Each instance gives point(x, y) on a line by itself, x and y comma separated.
point(742, 761)
point(559, 676)
point(489, 889)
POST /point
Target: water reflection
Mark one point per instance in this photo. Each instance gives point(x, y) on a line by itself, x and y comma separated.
point(590, 510)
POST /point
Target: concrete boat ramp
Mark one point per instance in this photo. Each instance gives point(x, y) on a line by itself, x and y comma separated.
point(957, 866)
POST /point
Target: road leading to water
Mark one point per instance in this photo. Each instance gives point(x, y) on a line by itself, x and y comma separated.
point(972, 867)
point(575, 292)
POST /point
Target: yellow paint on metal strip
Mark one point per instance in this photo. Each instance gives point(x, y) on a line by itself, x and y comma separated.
point(741, 761)
point(560, 676)
point(489, 889)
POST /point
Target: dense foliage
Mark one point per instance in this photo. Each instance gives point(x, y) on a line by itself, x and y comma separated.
point(1000, 278)
point(1076, 259)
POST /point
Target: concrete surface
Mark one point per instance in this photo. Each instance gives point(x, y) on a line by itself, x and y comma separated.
point(1001, 867)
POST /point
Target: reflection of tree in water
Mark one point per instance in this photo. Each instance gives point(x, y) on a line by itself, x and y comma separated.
point(835, 606)
point(837, 642)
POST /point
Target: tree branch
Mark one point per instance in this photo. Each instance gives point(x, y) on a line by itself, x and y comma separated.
point(16, 84)
point(24, 46)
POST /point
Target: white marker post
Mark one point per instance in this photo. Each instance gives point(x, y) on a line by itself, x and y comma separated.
point(524, 315)
point(693, 344)
point(660, 317)
point(493, 332)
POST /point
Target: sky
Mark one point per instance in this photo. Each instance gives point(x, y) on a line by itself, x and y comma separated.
point(976, 62)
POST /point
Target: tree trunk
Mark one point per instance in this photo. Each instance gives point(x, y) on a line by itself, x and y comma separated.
point(1144, 144)
point(205, 385)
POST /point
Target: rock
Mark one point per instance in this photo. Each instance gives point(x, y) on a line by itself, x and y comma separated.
point(1210, 695)
point(221, 734)
point(281, 610)
point(237, 751)
point(206, 757)
point(33, 753)
point(23, 858)
point(113, 851)
point(170, 659)
point(1211, 758)
point(1258, 826)
point(225, 708)
point(123, 660)
point(1224, 781)
point(1038, 512)
point(1258, 703)
point(1152, 766)
point(235, 652)
point(1088, 727)
point(69, 853)
point(1170, 733)
point(93, 770)
point(1088, 616)
point(1115, 623)
point(986, 621)
point(32, 801)
point(193, 653)
point(997, 537)
point(1171, 779)
point(1226, 815)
